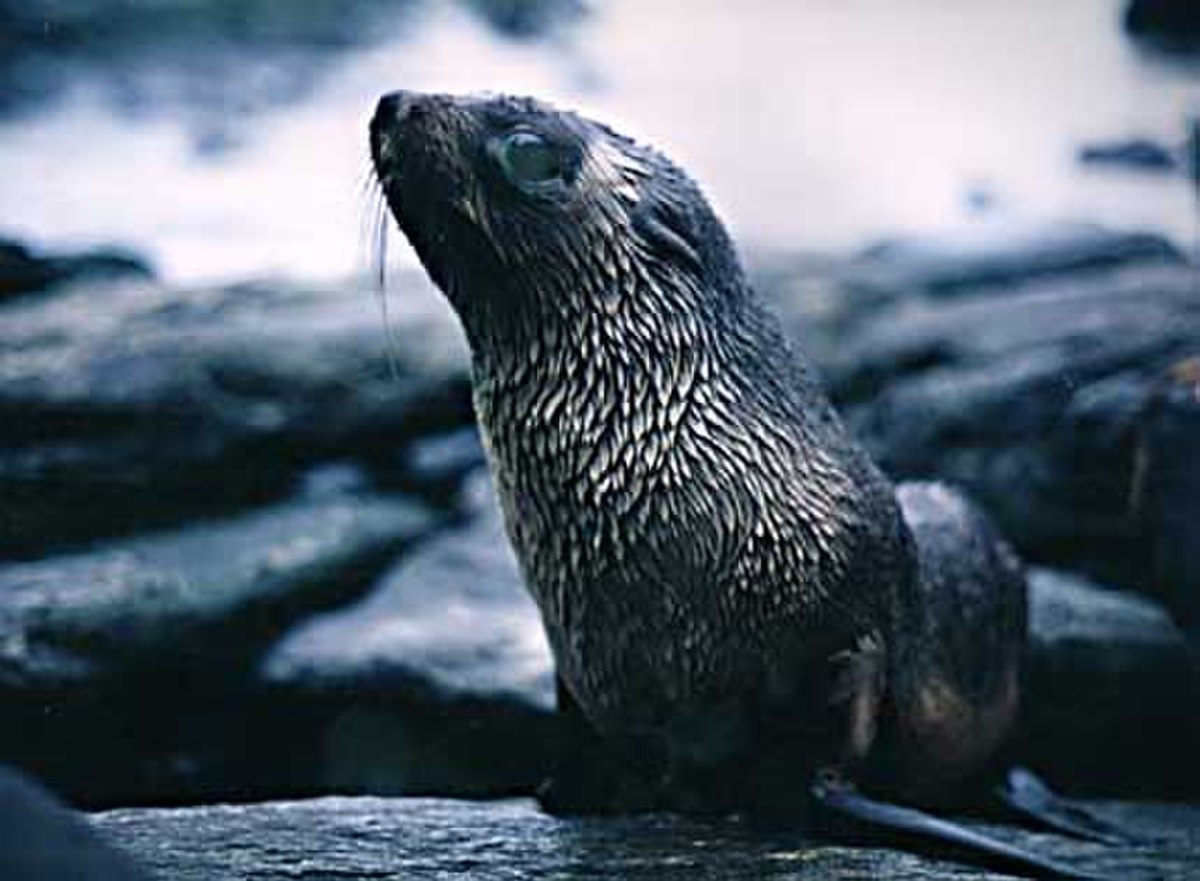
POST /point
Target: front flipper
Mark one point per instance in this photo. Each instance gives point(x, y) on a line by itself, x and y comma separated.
point(845, 810)
point(1023, 794)
point(588, 775)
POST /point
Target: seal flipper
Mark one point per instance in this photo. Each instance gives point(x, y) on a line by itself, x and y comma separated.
point(1023, 794)
point(845, 809)
point(589, 775)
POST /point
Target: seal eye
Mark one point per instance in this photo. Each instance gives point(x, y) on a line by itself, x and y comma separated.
point(530, 160)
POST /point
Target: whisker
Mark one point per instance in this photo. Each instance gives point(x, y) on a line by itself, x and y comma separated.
point(373, 235)
point(389, 329)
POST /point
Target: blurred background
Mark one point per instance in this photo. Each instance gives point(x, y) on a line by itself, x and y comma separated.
point(249, 547)
point(226, 139)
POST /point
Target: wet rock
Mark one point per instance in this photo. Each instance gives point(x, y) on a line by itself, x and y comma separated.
point(419, 838)
point(1110, 702)
point(1170, 25)
point(1032, 400)
point(1140, 154)
point(42, 840)
point(1165, 492)
point(155, 404)
point(439, 681)
point(999, 254)
point(126, 671)
point(436, 465)
point(22, 271)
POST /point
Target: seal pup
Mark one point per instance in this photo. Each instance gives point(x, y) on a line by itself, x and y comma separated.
point(744, 614)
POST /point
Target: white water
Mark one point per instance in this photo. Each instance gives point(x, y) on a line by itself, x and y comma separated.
point(811, 124)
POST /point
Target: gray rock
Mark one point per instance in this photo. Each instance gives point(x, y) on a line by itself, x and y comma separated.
point(1136, 154)
point(22, 271)
point(126, 670)
point(1110, 696)
point(42, 840)
point(155, 404)
point(198, 59)
point(1165, 492)
point(1168, 25)
point(439, 681)
point(1032, 401)
point(364, 838)
point(437, 465)
point(1001, 254)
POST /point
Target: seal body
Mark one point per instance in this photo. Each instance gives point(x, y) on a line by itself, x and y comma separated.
point(733, 594)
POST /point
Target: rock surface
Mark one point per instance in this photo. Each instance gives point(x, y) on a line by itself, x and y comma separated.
point(24, 272)
point(1135, 154)
point(1000, 255)
point(1107, 675)
point(439, 681)
point(42, 840)
point(1171, 25)
point(126, 670)
point(372, 838)
point(156, 404)
point(1032, 399)
point(211, 63)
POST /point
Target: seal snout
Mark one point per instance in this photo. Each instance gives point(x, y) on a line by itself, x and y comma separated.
point(391, 113)
point(393, 108)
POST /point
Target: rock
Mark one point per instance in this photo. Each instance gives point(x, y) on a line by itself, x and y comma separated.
point(42, 840)
point(126, 671)
point(1032, 401)
point(23, 272)
point(157, 404)
point(198, 58)
point(1139, 154)
point(1165, 492)
point(439, 681)
point(528, 19)
point(1110, 696)
point(436, 465)
point(1000, 254)
point(1170, 25)
point(422, 838)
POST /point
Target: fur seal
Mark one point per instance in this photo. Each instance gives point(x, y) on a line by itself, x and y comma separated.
point(744, 613)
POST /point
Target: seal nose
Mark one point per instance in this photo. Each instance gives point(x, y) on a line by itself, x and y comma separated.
point(393, 108)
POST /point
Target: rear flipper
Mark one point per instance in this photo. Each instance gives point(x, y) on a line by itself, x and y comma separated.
point(845, 811)
point(1023, 795)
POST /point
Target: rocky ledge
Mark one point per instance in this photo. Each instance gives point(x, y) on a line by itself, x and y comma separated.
point(363, 838)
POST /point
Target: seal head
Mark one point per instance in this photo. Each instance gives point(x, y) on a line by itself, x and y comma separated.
point(515, 198)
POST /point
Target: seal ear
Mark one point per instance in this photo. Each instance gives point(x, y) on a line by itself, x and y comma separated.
point(664, 227)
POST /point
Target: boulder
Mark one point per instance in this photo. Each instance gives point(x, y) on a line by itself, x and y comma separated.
point(1033, 400)
point(23, 272)
point(140, 406)
point(425, 838)
point(825, 300)
point(1000, 254)
point(1169, 25)
point(43, 840)
point(1110, 697)
point(1136, 154)
point(126, 671)
point(438, 681)
point(1165, 492)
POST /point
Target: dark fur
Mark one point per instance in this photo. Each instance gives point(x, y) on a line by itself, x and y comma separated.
point(732, 595)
